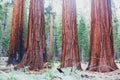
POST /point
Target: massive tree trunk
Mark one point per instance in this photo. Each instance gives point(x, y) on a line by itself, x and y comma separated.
point(16, 38)
point(35, 46)
point(70, 49)
point(101, 38)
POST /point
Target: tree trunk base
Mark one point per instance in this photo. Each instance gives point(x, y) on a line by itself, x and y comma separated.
point(102, 68)
point(78, 66)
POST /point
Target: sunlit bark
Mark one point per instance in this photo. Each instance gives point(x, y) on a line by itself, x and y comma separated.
point(35, 46)
point(70, 49)
point(101, 38)
point(16, 38)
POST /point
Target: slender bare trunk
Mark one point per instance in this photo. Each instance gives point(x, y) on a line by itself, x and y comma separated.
point(51, 37)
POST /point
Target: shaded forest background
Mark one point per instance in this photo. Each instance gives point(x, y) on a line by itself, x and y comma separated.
point(83, 21)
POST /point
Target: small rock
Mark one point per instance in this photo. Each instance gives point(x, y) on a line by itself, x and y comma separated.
point(82, 76)
point(86, 76)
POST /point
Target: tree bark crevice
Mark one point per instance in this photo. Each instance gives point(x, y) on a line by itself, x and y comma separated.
point(16, 38)
point(101, 38)
point(36, 42)
point(70, 49)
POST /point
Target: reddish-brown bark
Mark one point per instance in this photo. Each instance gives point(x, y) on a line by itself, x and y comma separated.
point(16, 38)
point(51, 37)
point(101, 38)
point(35, 46)
point(70, 49)
point(51, 30)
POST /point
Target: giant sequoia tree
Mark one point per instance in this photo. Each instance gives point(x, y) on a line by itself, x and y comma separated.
point(70, 49)
point(16, 38)
point(35, 45)
point(101, 38)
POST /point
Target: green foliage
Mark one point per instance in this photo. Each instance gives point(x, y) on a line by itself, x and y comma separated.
point(116, 37)
point(116, 33)
point(5, 25)
point(83, 39)
point(47, 24)
point(1, 18)
point(48, 9)
point(54, 74)
point(52, 63)
point(57, 29)
point(50, 75)
point(5, 45)
point(11, 78)
point(1, 13)
point(59, 35)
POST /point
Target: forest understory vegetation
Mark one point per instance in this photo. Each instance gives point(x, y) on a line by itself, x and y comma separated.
point(51, 73)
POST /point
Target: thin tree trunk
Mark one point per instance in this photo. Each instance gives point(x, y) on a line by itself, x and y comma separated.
point(51, 30)
point(36, 42)
point(16, 38)
point(70, 49)
point(51, 37)
point(101, 39)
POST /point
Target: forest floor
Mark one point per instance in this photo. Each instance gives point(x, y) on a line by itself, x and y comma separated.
point(7, 73)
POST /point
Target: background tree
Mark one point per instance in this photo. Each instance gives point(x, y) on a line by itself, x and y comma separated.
point(16, 38)
point(70, 48)
point(36, 42)
point(51, 32)
point(101, 38)
point(1, 22)
point(116, 33)
point(5, 26)
point(51, 29)
point(47, 28)
point(57, 29)
point(83, 39)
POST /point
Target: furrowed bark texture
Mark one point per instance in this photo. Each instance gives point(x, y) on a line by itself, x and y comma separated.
point(35, 47)
point(16, 38)
point(70, 49)
point(101, 38)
